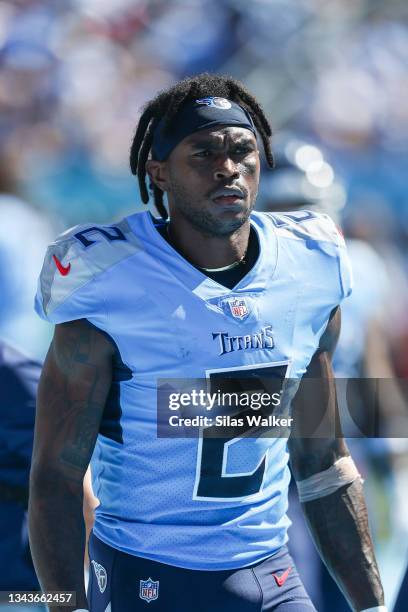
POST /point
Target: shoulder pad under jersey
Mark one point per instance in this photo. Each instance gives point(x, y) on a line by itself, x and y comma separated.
point(319, 231)
point(68, 287)
point(307, 224)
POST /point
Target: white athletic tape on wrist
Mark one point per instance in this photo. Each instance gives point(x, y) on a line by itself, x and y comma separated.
point(341, 473)
point(376, 609)
point(80, 610)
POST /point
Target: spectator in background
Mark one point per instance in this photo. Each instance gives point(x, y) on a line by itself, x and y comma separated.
point(19, 377)
point(24, 234)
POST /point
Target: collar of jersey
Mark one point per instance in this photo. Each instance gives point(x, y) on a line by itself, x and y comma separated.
point(195, 280)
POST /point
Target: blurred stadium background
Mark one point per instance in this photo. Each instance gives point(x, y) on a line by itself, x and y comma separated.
point(331, 73)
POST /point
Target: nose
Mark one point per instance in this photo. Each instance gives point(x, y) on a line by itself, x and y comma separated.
point(225, 169)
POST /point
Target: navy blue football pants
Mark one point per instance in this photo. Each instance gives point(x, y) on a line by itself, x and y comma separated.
point(119, 582)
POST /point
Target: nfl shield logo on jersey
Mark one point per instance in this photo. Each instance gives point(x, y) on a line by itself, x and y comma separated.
point(238, 308)
point(149, 590)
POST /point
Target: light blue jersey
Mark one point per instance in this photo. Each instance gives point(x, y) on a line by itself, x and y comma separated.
point(180, 501)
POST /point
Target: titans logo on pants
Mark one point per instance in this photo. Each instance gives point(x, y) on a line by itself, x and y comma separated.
point(101, 576)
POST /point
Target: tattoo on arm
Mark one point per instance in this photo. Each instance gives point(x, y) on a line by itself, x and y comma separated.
point(77, 454)
point(72, 395)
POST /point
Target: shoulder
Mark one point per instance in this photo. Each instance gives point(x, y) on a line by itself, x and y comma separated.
point(303, 225)
point(312, 233)
point(100, 245)
point(77, 258)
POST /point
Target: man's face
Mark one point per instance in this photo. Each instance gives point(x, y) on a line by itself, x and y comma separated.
point(212, 179)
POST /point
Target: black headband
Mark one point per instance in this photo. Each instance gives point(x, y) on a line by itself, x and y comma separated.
point(198, 115)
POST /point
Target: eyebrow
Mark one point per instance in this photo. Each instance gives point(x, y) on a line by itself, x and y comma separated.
point(211, 142)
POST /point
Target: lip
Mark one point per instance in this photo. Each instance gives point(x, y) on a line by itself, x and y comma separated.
point(228, 202)
point(227, 191)
point(227, 196)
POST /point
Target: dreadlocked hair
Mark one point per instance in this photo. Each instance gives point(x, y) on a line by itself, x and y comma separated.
point(167, 104)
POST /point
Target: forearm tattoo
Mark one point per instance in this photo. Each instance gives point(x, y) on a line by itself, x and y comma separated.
point(75, 399)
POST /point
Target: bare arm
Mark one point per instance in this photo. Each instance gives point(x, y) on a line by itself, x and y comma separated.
point(72, 392)
point(338, 522)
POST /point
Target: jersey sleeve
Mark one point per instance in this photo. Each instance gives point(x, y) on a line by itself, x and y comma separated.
point(76, 269)
point(319, 232)
point(68, 288)
point(329, 236)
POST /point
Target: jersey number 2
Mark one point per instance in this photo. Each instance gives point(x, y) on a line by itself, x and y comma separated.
point(213, 482)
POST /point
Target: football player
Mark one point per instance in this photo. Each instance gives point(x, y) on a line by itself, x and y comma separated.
point(199, 522)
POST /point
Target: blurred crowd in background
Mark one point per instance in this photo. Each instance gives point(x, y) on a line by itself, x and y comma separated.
point(330, 74)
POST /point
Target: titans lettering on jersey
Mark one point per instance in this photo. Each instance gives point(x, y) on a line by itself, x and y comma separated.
point(206, 503)
point(228, 344)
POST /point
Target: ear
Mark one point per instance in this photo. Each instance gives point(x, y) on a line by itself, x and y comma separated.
point(158, 173)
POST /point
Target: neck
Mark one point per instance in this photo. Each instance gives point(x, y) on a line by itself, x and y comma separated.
point(209, 252)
